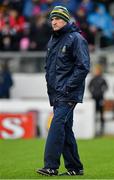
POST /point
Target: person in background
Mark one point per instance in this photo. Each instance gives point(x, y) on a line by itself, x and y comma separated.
point(102, 21)
point(67, 65)
point(87, 5)
point(40, 32)
point(97, 87)
point(6, 81)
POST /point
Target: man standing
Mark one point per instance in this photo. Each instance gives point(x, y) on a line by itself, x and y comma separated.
point(67, 64)
point(97, 87)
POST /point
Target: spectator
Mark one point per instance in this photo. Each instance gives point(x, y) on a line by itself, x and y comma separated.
point(72, 5)
point(105, 2)
point(101, 20)
point(31, 8)
point(17, 5)
point(24, 44)
point(9, 38)
point(16, 21)
point(95, 24)
point(97, 87)
point(87, 5)
point(2, 21)
point(6, 81)
point(40, 33)
point(6, 38)
point(81, 20)
point(47, 5)
point(27, 8)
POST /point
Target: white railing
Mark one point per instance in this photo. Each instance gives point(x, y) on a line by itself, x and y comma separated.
point(33, 62)
point(29, 62)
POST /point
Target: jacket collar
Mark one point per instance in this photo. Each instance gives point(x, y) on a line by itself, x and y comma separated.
point(61, 31)
point(69, 27)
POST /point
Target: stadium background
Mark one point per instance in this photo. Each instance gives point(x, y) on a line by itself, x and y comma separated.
point(26, 114)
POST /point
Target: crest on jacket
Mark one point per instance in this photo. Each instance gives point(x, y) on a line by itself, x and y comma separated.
point(63, 49)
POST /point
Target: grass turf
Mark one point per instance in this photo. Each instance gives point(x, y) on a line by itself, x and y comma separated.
point(20, 158)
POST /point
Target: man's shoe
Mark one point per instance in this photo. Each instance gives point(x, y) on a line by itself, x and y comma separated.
point(73, 173)
point(47, 172)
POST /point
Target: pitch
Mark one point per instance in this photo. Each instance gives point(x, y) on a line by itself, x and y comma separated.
point(20, 158)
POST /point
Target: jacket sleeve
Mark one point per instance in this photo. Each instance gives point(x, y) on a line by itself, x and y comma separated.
point(81, 64)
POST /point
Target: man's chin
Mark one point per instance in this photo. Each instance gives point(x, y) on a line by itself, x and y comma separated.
point(56, 29)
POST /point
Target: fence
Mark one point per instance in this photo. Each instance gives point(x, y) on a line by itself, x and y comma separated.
point(24, 62)
point(33, 62)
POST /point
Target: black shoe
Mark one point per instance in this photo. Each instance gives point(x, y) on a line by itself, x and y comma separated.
point(73, 173)
point(47, 172)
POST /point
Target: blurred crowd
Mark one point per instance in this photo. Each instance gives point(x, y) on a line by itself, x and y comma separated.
point(24, 24)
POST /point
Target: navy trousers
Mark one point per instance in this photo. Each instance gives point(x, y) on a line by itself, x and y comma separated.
point(61, 140)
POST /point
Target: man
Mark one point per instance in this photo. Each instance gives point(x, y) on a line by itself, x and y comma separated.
point(67, 64)
point(6, 81)
point(97, 87)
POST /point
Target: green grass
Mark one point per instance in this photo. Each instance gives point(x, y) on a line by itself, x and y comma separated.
point(20, 158)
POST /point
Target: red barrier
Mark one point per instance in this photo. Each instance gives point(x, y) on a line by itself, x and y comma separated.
point(17, 125)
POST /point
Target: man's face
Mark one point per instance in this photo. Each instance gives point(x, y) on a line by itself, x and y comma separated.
point(57, 23)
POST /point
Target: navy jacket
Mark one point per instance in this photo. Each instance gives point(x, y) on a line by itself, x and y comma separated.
point(67, 64)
